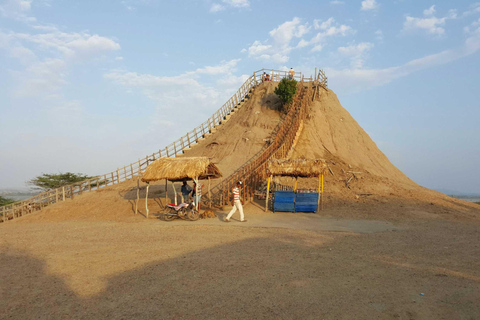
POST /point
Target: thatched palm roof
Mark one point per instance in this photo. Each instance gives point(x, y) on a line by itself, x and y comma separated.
point(297, 167)
point(178, 169)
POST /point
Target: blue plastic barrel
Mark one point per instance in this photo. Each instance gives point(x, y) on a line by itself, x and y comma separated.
point(284, 201)
point(306, 202)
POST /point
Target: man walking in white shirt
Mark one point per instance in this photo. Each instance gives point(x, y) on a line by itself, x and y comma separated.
point(236, 203)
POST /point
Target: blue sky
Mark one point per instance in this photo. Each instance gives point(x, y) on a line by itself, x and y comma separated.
point(89, 86)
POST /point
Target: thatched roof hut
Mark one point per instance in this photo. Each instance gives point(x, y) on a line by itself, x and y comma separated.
point(297, 167)
point(178, 169)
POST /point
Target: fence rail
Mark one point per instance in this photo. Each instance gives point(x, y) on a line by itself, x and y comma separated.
point(179, 146)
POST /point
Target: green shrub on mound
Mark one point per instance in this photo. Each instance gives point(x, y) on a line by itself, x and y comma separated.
point(286, 89)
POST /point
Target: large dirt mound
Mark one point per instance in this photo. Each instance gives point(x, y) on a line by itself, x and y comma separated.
point(361, 182)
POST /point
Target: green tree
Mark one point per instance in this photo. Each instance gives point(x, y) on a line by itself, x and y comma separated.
point(4, 201)
point(49, 181)
point(286, 89)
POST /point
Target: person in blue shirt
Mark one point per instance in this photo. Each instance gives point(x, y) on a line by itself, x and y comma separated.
point(186, 189)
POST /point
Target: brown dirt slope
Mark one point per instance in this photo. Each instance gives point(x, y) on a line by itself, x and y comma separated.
point(332, 133)
point(244, 134)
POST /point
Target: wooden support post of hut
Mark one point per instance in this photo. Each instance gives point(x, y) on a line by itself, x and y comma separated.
point(197, 186)
point(299, 201)
point(166, 191)
point(268, 192)
point(180, 169)
point(321, 194)
point(174, 192)
point(146, 199)
point(209, 193)
point(138, 194)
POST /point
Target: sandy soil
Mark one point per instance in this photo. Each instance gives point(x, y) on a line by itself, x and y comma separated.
point(276, 266)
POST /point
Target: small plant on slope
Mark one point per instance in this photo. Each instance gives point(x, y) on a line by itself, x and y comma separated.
point(285, 90)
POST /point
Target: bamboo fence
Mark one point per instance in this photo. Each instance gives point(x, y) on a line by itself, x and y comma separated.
point(251, 170)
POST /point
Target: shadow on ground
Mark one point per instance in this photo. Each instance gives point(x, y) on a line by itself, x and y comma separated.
point(284, 277)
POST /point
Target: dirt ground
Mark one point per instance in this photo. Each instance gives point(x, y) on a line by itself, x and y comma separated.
point(275, 266)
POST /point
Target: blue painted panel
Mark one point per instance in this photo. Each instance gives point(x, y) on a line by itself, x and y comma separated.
point(284, 201)
point(306, 202)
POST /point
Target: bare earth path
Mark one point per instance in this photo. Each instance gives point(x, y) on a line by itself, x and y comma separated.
point(281, 266)
point(298, 221)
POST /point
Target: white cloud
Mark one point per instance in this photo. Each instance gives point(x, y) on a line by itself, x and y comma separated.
point(216, 8)
point(45, 28)
point(72, 45)
point(24, 55)
point(17, 10)
point(302, 43)
point(452, 14)
point(430, 11)
point(430, 23)
point(47, 58)
point(354, 50)
point(87, 45)
point(337, 2)
point(473, 28)
point(189, 97)
point(330, 29)
point(257, 49)
point(237, 3)
point(379, 35)
point(128, 5)
point(356, 79)
point(41, 78)
point(322, 25)
point(473, 9)
point(292, 35)
point(356, 53)
point(225, 67)
point(285, 32)
point(369, 5)
point(280, 44)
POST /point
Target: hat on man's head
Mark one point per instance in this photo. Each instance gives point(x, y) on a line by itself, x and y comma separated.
point(239, 182)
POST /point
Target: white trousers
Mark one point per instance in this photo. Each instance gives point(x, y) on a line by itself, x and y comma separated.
point(236, 205)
